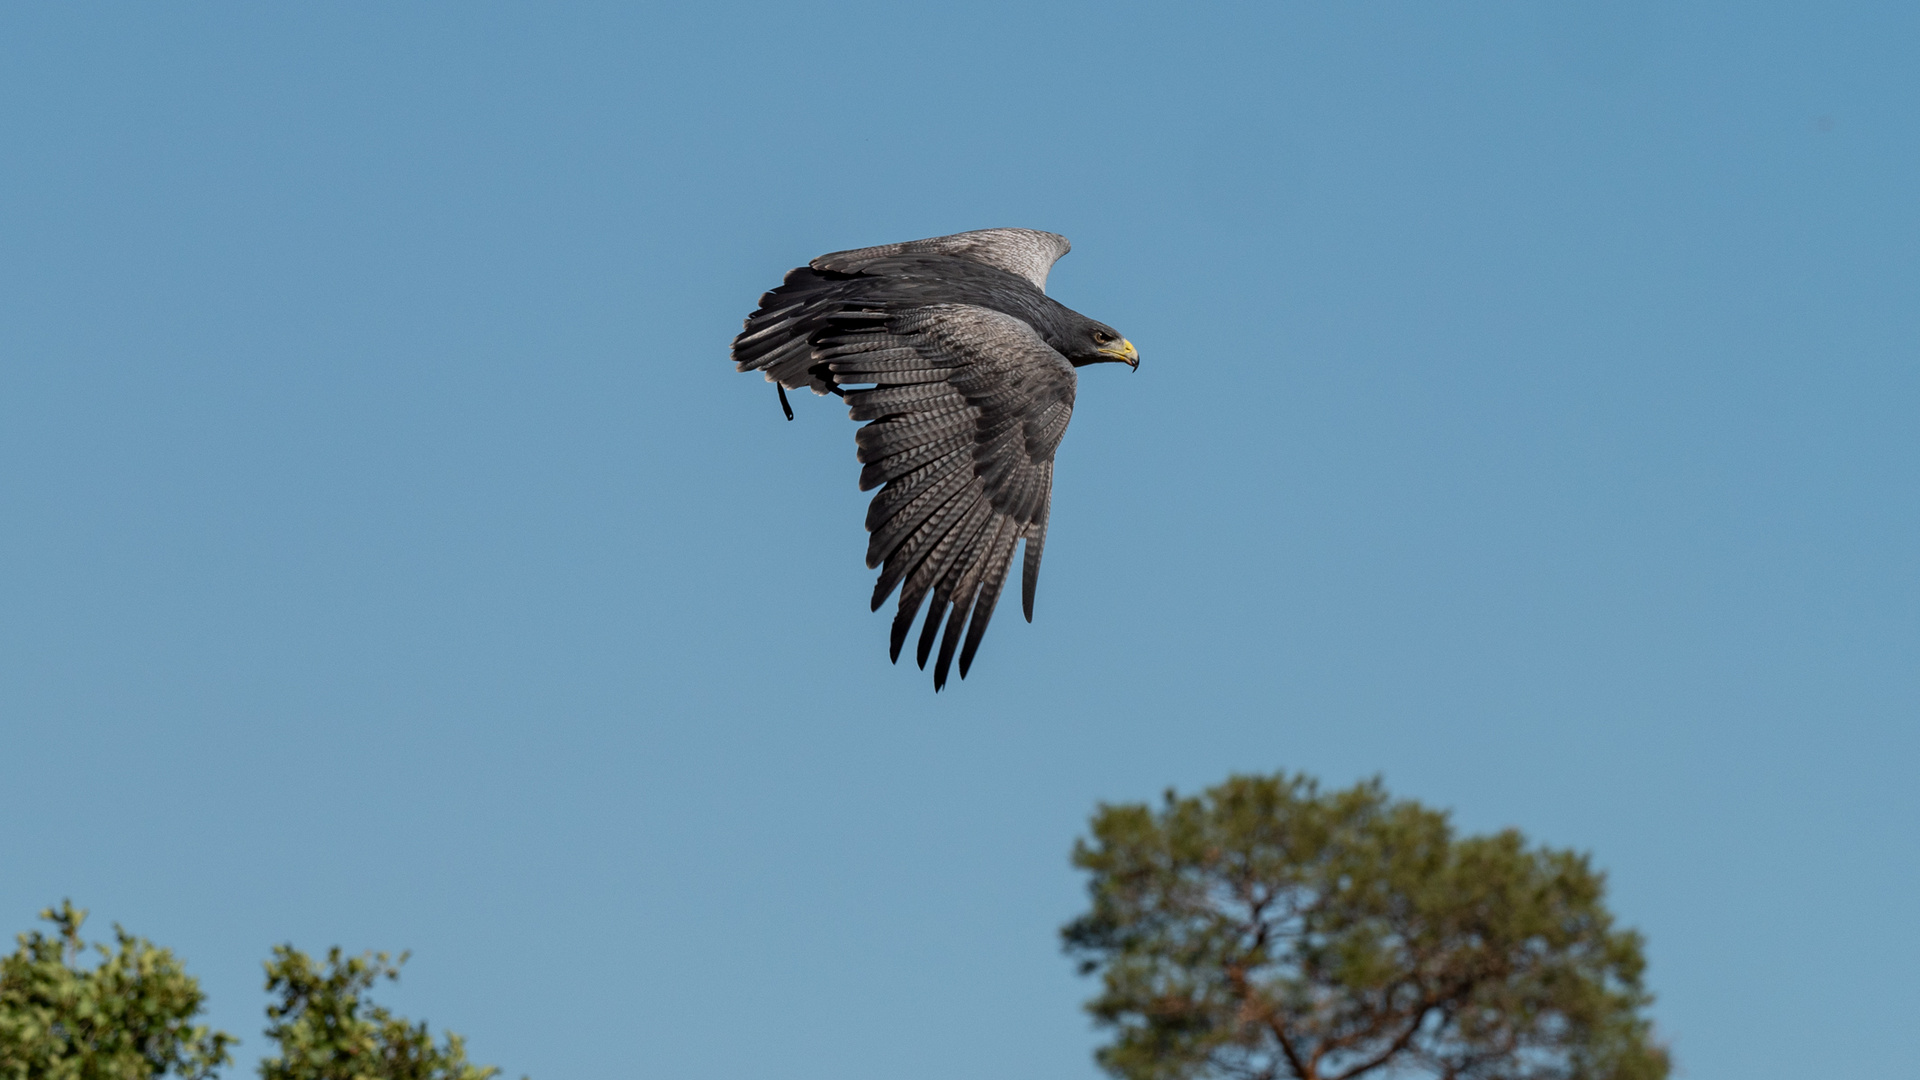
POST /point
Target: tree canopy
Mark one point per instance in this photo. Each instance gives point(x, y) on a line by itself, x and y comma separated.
point(128, 1017)
point(131, 1016)
point(327, 1030)
point(1265, 929)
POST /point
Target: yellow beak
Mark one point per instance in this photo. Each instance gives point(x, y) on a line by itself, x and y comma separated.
point(1124, 351)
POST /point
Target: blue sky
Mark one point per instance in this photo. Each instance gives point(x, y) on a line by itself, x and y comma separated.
point(390, 556)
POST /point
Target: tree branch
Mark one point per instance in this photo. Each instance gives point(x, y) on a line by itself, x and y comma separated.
point(1237, 976)
point(1384, 1018)
point(1399, 1044)
point(1302, 1070)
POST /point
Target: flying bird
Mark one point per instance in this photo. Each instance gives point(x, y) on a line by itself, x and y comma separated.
point(963, 369)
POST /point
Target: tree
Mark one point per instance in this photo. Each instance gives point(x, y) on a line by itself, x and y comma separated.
point(327, 1031)
point(129, 1017)
point(1266, 930)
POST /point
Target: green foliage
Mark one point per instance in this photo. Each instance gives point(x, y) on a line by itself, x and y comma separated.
point(129, 1017)
point(1264, 929)
point(326, 1030)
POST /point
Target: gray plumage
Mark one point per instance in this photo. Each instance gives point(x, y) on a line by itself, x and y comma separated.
point(963, 369)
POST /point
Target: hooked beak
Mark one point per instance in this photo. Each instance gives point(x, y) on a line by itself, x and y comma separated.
point(1124, 352)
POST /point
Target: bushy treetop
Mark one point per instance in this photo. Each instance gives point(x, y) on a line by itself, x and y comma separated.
point(327, 1029)
point(130, 1016)
point(1265, 929)
point(127, 1017)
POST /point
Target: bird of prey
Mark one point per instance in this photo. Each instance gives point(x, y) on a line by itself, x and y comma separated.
point(963, 368)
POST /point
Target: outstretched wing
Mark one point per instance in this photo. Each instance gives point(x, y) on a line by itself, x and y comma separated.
point(1029, 253)
point(966, 408)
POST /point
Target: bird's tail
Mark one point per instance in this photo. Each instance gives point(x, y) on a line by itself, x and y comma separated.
point(778, 335)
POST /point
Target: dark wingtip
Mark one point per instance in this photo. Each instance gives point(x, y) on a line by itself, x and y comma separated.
point(895, 640)
point(784, 406)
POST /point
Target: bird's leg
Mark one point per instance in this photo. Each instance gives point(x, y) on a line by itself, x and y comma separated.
point(825, 375)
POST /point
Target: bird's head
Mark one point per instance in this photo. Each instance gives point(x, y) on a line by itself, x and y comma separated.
point(1098, 343)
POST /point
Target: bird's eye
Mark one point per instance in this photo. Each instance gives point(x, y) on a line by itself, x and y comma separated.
point(1101, 337)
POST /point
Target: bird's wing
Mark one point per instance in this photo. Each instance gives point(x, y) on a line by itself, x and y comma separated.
point(966, 407)
point(1026, 252)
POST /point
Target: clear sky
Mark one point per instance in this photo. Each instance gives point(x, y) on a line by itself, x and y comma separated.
point(390, 556)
